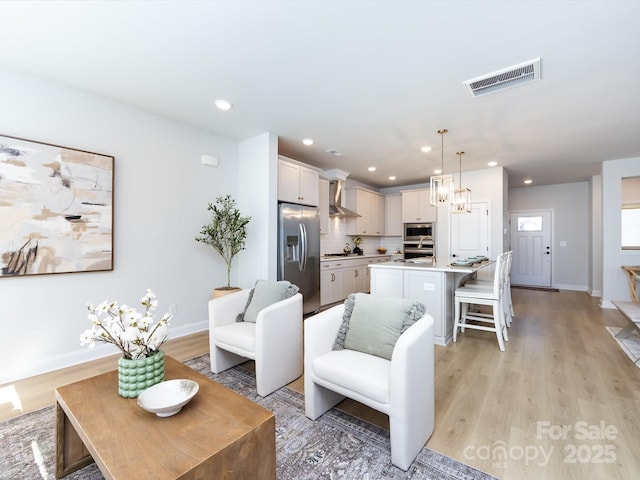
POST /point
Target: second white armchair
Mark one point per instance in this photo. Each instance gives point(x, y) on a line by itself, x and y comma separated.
point(402, 387)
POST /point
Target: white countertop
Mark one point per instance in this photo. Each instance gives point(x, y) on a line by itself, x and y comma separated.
point(434, 267)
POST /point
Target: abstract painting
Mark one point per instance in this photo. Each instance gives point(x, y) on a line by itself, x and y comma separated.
point(56, 209)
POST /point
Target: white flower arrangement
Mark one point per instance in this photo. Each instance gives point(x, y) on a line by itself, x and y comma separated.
point(135, 334)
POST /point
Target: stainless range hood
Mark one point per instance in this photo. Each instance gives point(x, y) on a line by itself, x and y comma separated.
point(335, 201)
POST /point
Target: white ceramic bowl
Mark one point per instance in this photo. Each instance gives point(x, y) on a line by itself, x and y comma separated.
point(167, 398)
point(461, 263)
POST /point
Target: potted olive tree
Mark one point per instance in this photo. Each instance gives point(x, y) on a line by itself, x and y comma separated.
point(226, 233)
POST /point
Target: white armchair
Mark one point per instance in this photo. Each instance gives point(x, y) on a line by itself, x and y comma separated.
point(402, 388)
point(274, 341)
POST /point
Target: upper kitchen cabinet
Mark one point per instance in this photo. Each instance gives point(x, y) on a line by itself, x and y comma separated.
point(323, 187)
point(416, 207)
point(393, 215)
point(297, 183)
point(370, 206)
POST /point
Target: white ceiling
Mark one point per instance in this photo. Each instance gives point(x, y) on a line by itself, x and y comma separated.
point(373, 80)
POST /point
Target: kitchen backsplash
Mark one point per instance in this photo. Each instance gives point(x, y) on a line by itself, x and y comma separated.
point(335, 240)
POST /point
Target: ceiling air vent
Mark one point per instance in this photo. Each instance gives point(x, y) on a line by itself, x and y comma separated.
point(506, 78)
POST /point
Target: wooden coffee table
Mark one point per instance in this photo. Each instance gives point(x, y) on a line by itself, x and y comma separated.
point(219, 434)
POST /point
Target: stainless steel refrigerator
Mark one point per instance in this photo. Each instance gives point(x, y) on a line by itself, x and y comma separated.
point(299, 251)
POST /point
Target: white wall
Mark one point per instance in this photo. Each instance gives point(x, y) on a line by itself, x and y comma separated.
point(570, 204)
point(258, 170)
point(614, 279)
point(161, 195)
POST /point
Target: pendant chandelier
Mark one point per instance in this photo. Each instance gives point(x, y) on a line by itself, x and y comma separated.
point(462, 196)
point(441, 186)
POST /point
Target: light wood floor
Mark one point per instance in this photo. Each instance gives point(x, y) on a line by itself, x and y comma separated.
point(501, 412)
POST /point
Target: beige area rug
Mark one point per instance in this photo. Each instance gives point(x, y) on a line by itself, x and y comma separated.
point(630, 345)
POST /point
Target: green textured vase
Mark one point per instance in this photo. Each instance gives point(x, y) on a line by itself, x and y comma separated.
point(135, 376)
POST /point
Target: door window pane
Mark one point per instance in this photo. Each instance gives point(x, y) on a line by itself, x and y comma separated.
point(529, 224)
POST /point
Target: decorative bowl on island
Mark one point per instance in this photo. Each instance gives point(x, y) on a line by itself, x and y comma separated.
point(168, 398)
point(462, 262)
point(382, 250)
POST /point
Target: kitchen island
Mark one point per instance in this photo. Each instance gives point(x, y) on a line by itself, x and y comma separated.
point(432, 284)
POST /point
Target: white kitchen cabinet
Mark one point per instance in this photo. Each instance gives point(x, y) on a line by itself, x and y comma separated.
point(354, 280)
point(362, 206)
point(377, 214)
point(387, 283)
point(361, 279)
point(416, 207)
point(347, 281)
point(297, 183)
point(393, 215)
point(309, 186)
point(340, 278)
point(323, 206)
point(370, 206)
point(330, 284)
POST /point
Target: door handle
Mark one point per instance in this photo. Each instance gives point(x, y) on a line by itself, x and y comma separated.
point(302, 265)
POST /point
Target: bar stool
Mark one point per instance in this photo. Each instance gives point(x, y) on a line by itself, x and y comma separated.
point(491, 295)
point(506, 287)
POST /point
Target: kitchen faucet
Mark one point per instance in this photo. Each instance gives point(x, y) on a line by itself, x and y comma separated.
point(422, 238)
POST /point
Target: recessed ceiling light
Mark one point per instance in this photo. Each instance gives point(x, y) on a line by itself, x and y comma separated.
point(528, 181)
point(492, 164)
point(308, 141)
point(425, 149)
point(437, 171)
point(223, 104)
point(372, 169)
point(392, 178)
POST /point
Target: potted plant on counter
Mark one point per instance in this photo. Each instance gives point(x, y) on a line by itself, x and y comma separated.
point(357, 241)
point(226, 233)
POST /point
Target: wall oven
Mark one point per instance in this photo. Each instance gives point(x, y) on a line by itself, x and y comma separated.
point(419, 240)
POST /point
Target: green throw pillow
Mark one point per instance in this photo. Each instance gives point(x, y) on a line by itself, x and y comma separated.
point(264, 294)
point(372, 324)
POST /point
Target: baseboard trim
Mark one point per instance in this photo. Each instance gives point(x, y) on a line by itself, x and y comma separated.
point(82, 355)
point(572, 287)
point(542, 289)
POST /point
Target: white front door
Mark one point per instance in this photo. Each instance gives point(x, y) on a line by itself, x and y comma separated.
point(531, 244)
point(470, 232)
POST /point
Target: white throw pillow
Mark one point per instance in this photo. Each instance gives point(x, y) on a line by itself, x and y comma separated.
point(264, 294)
point(372, 324)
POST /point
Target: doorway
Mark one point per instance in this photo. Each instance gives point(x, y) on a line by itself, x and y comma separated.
point(530, 239)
